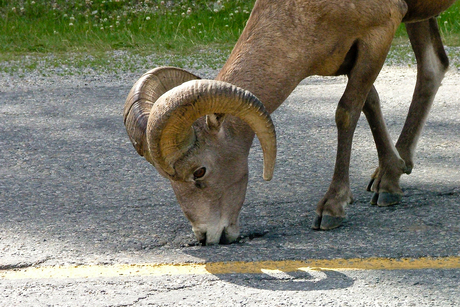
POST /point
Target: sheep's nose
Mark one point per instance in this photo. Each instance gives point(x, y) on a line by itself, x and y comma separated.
point(223, 239)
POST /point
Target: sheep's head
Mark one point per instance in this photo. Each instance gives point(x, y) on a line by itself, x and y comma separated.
point(177, 122)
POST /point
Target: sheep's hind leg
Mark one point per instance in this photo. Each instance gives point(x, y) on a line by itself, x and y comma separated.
point(432, 62)
point(385, 181)
point(330, 211)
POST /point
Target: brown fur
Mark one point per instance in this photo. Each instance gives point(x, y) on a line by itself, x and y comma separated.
point(284, 42)
point(287, 41)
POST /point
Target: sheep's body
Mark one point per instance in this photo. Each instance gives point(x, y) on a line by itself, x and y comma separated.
point(287, 41)
point(283, 43)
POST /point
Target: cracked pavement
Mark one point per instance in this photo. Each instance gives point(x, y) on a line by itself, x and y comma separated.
point(73, 191)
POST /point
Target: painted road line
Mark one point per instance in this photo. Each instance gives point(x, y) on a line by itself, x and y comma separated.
point(236, 267)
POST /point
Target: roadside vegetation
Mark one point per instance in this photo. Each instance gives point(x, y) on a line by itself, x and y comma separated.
point(91, 31)
point(102, 25)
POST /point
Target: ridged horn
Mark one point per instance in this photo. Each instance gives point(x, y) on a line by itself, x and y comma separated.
point(169, 130)
point(143, 96)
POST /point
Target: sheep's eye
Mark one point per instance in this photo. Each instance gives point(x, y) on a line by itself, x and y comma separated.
point(199, 173)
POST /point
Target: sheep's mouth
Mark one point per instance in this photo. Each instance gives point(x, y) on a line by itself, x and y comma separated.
point(224, 240)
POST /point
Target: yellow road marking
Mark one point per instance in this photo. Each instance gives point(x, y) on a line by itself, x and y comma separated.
point(235, 267)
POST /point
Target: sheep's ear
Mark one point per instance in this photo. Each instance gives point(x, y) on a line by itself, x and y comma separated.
point(215, 120)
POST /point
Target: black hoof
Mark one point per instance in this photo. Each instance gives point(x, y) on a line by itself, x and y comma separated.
point(326, 222)
point(387, 199)
point(375, 199)
point(369, 186)
point(316, 222)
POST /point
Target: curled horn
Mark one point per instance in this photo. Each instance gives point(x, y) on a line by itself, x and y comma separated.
point(142, 98)
point(165, 102)
point(169, 130)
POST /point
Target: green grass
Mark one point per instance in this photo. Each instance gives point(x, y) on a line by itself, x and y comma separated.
point(65, 32)
point(449, 25)
point(100, 25)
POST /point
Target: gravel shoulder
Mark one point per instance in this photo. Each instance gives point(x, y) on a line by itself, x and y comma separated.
point(120, 68)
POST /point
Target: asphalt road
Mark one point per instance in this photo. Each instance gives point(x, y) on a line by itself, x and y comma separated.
point(74, 192)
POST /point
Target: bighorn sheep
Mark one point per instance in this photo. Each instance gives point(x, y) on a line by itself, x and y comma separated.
point(197, 133)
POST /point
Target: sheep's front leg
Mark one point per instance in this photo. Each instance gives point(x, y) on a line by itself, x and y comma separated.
point(432, 62)
point(330, 211)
